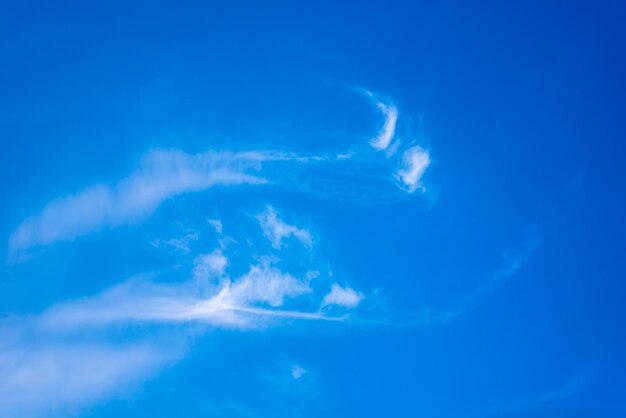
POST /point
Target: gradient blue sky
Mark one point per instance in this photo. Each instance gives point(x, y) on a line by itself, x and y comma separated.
point(288, 209)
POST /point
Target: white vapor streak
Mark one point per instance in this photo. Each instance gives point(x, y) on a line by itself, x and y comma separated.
point(45, 375)
point(236, 304)
point(162, 174)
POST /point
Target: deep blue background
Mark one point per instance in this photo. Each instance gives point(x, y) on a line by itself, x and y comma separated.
point(523, 106)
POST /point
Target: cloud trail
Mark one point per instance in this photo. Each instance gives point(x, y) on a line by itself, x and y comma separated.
point(162, 174)
point(50, 363)
point(38, 380)
point(246, 302)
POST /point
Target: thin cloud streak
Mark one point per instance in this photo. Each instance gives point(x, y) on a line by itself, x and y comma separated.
point(162, 174)
point(33, 361)
point(235, 304)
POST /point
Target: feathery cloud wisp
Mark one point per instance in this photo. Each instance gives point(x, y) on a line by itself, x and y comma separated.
point(246, 302)
point(91, 370)
point(209, 266)
point(161, 175)
point(385, 135)
point(276, 230)
point(35, 379)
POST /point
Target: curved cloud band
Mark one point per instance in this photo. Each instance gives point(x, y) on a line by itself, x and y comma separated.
point(161, 175)
point(384, 137)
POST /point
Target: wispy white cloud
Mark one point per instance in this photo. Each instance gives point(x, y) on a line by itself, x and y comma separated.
point(246, 302)
point(342, 296)
point(37, 379)
point(59, 366)
point(162, 174)
point(216, 224)
point(40, 375)
point(384, 137)
point(415, 161)
point(276, 230)
point(209, 266)
point(267, 285)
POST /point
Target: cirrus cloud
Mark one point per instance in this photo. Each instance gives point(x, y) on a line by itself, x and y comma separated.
point(162, 174)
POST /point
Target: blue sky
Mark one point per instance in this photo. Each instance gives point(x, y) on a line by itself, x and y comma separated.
point(245, 209)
